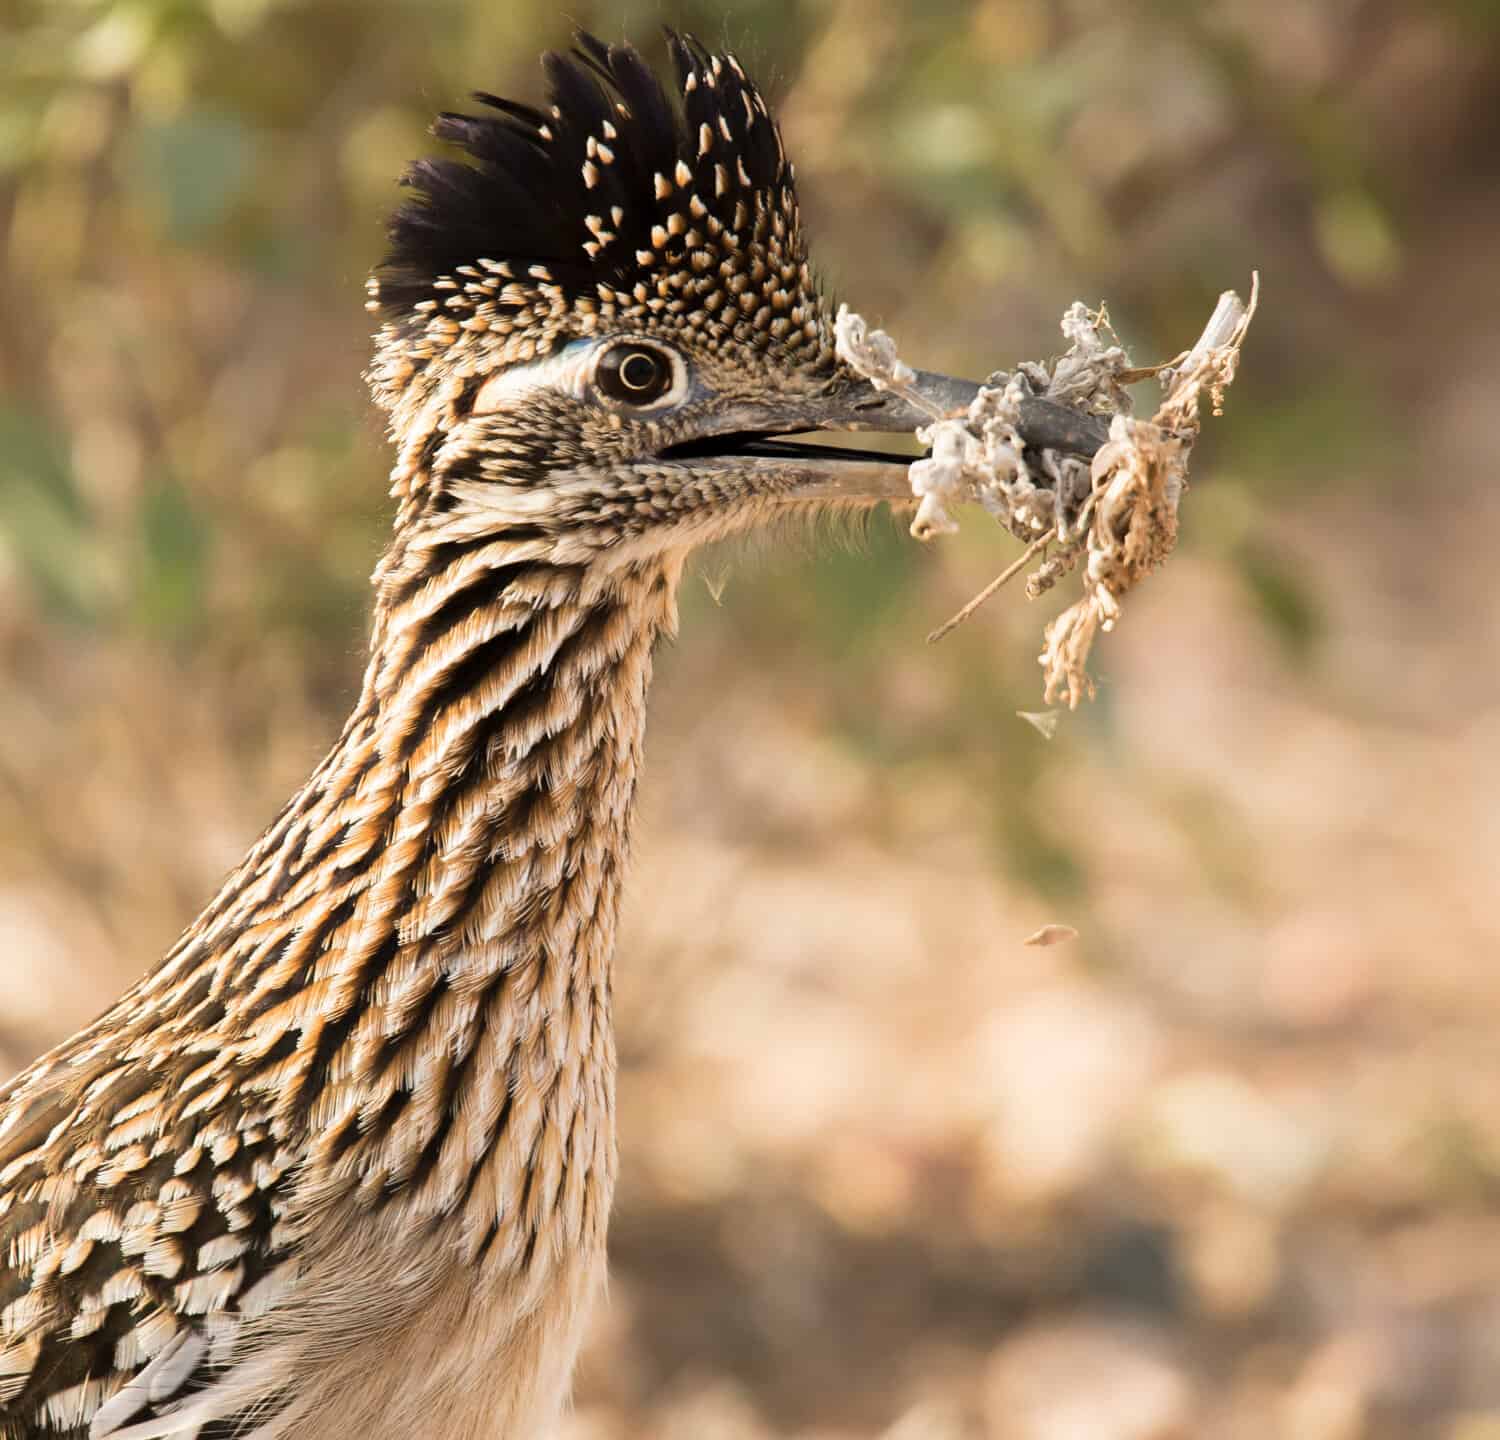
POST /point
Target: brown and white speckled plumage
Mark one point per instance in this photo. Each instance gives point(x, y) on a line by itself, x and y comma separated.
point(341, 1164)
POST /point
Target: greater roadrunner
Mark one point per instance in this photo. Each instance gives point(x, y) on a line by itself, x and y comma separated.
point(339, 1167)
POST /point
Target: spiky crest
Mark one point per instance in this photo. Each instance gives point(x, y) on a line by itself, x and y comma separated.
point(617, 207)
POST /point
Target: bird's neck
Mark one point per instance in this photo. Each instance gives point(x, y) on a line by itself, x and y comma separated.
point(415, 959)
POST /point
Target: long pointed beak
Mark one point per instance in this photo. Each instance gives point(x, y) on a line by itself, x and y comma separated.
point(757, 440)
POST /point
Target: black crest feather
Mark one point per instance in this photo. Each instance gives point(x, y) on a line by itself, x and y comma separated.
point(576, 188)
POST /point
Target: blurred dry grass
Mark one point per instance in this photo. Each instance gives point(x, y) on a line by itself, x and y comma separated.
point(1229, 1165)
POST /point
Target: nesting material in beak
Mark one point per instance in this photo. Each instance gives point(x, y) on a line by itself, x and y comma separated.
point(1020, 449)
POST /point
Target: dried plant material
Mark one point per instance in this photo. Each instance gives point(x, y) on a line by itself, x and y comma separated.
point(1116, 513)
point(1044, 722)
point(873, 354)
point(1051, 935)
point(968, 609)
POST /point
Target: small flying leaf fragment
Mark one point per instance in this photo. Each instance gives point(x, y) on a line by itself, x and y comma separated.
point(715, 585)
point(1044, 722)
point(1051, 935)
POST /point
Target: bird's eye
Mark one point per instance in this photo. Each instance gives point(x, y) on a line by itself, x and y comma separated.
point(635, 374)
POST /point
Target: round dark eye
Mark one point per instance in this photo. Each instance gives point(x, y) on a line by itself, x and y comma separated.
point(634, 374)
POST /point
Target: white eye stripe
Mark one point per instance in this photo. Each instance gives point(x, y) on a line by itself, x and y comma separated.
point(566, 371)
point(571, 372)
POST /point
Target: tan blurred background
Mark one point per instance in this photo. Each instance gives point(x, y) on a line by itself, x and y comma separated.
point(1226, 1166)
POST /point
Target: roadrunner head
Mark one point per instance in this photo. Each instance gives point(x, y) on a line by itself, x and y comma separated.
point(596, 324)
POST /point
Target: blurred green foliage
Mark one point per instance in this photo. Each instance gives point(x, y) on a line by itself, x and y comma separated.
point(46, 523)
point(192, 190)
point(193, 167)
